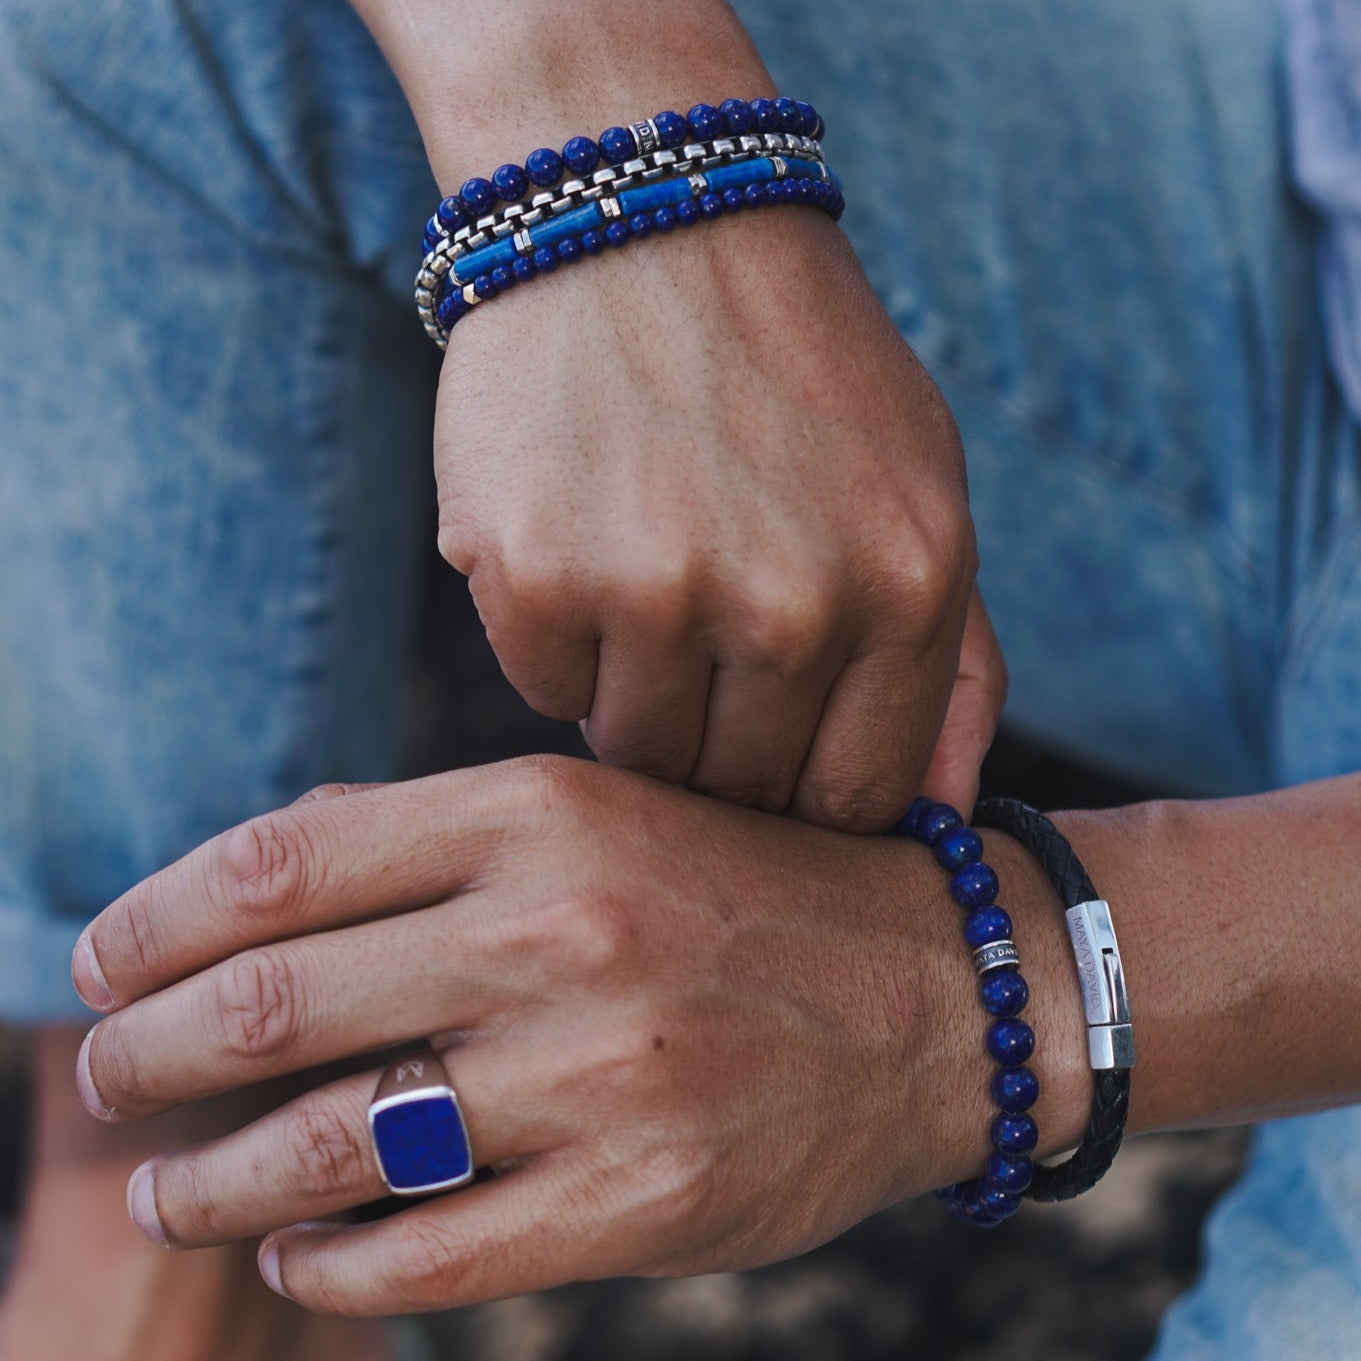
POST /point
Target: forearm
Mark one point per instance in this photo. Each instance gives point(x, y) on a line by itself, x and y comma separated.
point(1237, 928)
point(488, 80)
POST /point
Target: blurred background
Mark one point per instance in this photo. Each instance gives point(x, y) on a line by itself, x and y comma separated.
point(1064, 1283)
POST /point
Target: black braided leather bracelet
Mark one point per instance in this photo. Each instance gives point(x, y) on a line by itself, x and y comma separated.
point(1110, 1037)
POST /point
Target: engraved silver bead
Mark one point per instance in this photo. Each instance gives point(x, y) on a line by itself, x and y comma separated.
point(1001, 954)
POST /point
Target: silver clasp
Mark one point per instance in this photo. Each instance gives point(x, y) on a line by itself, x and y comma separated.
point(1110, 1036)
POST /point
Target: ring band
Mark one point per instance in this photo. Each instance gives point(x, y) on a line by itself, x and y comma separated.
point(420, 1138)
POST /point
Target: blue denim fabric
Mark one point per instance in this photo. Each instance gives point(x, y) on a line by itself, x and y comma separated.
point(213, 410)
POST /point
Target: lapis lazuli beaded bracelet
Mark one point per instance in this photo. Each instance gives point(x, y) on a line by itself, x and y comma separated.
point(663, 172)
point(997, 1194)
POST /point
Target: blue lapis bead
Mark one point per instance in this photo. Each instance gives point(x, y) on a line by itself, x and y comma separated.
point(617, 234)
point(765, 113)
point(510, 182)
point(581, 155)
point(706, 122)
point(569, 249)
point(544, 167)
point(732, 200)
point(986, 926)
point(1011, 1042)
point(907, 824)
point(545, 259)
point(672, 129)
point(451, 214)
point(999, 1204)
point(503, 277)
point(484, 287)
point(808, 119)
point(478, 197)
point(791, 120)
point(1003, 992)
point(617, 145)
point(754, 196)
point(1015, 1089)
point(955, 1191)
point(687, 212)
point(937, 822)
point(975, 886)
point(819, 128)
point(593, 241)
point(1009, 1174)
point(711, 205)
point(959, 848)
point(774, 196)
point(451, 308)
point(523, 268)
point(640, 225)
point(1014, 1135)
point(664, 219)
point(431, 237)
point(737, 116)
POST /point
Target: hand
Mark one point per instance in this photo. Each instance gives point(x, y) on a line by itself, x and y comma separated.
point(709, 503)
point(687, 1037)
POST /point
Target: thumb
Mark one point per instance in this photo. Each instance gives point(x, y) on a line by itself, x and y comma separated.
point(971, 719)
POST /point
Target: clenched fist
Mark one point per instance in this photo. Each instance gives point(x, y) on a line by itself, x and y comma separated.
point(710, 504)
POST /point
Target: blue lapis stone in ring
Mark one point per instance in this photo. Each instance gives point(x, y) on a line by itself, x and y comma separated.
point(419, 1136)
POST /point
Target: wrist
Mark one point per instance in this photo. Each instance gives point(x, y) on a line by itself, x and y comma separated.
point(490, 80)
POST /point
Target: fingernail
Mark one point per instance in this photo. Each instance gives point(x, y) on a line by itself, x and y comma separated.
point(269, 1267)
point(85, 1083)
point(142, 1205)
point(89, 977)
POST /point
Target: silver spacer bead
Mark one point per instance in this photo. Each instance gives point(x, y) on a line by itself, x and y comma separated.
point(750, 144)
point(699, 184)
point(1001, 954)
point(609, 208)
point(523, 245)
point(646, 136)
point(781, 166)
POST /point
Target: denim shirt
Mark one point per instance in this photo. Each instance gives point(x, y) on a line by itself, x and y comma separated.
point(1324, 80)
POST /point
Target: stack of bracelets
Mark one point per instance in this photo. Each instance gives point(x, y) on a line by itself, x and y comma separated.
point(665, 172)
point(1010, 1174)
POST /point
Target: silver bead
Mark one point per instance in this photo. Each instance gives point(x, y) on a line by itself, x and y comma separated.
point(609, 208)
point(523, 244)
point(699, 184)
point(645, 136)
point(1001, 954)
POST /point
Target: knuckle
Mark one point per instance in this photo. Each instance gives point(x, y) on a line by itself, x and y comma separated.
point(143, 946)
point(849, 806)
point(788, 624)
point(114, 1070)
point(929, 577)
point(664, 755)
point(185, 1204)
point(431, 1264)
point(264, 864)
point(594, 934)
point(258, 1004)
point(330, 1157)
point(455, 546)
point(334, 789)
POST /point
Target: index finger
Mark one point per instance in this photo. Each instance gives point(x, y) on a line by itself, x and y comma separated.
point(315, 865)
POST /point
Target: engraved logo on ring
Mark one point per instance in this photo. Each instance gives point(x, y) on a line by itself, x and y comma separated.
point(411, 1068)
